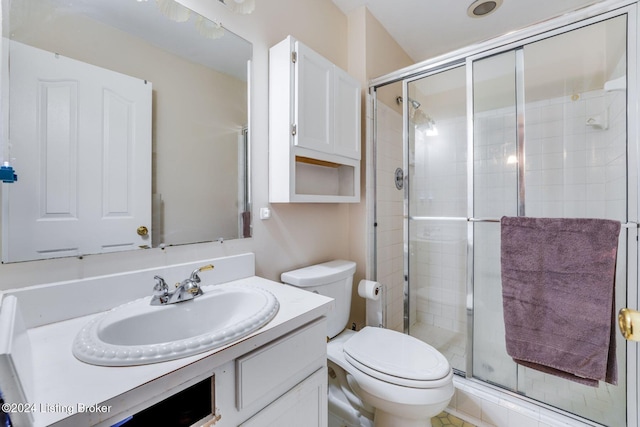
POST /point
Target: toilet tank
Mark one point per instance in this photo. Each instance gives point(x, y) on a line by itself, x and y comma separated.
point(333, 279)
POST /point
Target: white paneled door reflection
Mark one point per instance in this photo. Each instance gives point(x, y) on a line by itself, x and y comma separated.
point(80, 138)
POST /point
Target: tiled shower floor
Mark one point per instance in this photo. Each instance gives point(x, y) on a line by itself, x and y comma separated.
point(452, 345)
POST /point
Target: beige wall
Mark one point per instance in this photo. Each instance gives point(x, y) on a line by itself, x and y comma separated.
point(372, 53)
point(297, 234)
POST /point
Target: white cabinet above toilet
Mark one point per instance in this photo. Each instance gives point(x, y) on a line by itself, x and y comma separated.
point(314, 127)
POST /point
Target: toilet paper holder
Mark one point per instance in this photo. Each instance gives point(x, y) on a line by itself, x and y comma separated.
point(375, 302)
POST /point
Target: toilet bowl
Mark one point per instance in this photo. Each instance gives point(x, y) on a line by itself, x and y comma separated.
point(377, 377)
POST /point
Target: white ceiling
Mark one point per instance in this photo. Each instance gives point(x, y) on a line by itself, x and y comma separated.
point(428, 28)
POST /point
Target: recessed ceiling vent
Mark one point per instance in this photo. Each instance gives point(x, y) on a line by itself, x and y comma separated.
point(481, 8)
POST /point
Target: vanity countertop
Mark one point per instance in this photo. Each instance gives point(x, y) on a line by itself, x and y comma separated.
point(67, 391)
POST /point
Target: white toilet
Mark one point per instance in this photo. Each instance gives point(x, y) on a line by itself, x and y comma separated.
point(377, 377)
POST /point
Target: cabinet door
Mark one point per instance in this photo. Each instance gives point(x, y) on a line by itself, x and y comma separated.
point(314, 98)
point(303, 405)
point(346, 115)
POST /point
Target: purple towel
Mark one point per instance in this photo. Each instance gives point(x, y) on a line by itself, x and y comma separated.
point(558, 278)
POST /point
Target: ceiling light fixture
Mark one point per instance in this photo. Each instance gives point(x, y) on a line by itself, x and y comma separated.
point(173, 10)
point(179, 13)
point(481, 8)
point(243, 7)
point(208, 28)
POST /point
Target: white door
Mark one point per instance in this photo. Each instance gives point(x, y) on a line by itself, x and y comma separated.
point(80, 140)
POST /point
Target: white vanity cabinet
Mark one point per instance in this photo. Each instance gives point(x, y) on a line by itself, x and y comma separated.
point(281, 383)
point(314, 127)
point(275, 376)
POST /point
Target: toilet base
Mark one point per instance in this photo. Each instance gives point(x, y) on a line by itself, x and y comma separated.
point(345, 408)
point(388, 414)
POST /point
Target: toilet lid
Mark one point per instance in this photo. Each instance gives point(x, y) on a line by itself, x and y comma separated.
point(388, 354)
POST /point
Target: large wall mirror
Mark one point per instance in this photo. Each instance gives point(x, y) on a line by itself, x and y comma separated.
point(126, 122)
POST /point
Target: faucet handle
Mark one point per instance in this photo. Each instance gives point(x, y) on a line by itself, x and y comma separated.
point(160, 288)
point(160, 291)
point(194, 274)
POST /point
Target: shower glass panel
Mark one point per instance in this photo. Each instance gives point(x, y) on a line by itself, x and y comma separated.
point(576, 166)
point(437, 206)
point(549, 141)
point(495, 193)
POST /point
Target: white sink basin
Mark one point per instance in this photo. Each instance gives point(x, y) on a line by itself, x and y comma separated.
point(138, 333)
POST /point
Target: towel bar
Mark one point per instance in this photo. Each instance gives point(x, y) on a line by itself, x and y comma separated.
point(625, 225)
point(444, 218)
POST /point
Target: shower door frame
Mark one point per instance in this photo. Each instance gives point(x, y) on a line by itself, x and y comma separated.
point(513, 42)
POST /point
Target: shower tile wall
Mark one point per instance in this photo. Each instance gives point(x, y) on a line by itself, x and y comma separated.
point(439, 190)
point(495, 194)
point(579, 170)
point(389, 205)
point(572, 169)
point(438, 167)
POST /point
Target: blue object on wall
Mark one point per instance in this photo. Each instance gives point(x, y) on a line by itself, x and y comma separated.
point(7, 174)
point(5, 420)
point(123, 422)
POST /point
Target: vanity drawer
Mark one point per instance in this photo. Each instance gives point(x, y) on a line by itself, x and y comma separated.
point(303, 405)
point(268, 372)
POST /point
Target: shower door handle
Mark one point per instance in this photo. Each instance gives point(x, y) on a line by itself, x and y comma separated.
point(629, 323)
point(629, 319)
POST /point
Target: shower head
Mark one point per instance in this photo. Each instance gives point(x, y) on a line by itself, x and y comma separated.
point(415, 104)
point(420, 119)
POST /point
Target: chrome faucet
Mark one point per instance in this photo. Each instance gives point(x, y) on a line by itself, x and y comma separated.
point(186, 290)
point(160, 292)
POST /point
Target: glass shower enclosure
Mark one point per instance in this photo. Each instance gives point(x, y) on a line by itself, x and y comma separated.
point(538, 128)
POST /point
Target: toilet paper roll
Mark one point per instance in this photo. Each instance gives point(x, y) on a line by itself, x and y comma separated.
point(373, 292)
point(369, 290)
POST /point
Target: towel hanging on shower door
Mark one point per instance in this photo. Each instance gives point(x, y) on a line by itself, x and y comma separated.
point(558, 277)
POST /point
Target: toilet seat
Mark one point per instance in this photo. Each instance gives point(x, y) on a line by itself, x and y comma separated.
point(403, 360)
